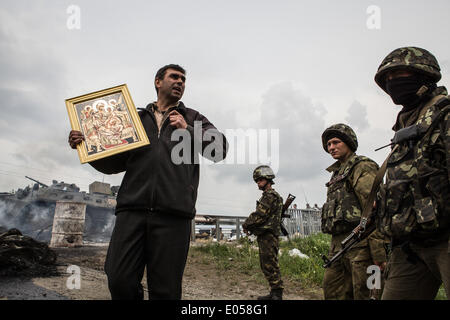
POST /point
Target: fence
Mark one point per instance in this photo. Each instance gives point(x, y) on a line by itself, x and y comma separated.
point(218, 227)
point(303, 222)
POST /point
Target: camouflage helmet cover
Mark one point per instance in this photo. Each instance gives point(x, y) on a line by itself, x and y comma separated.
point(343, 132)
point(409, 58)
point(264, 172)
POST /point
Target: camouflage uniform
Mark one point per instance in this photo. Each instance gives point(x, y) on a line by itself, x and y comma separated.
point(414, 203)
point(265, 222)
point(347, 192)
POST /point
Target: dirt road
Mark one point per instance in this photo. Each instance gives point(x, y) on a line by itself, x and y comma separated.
point(201, 281)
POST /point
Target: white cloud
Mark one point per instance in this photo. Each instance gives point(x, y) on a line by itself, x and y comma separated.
point(301, 124)
point(357, 117)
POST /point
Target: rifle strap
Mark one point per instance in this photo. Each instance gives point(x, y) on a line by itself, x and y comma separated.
point(430, 103)
point(376, 183)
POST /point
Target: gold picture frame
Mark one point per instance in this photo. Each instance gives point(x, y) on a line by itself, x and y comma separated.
point(109, 122)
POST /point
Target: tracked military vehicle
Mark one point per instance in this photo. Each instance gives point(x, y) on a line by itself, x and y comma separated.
point(32, 209)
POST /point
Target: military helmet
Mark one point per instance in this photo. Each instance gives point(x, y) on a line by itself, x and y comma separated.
point(343, 132)
point(264, 172)
point(409, 58)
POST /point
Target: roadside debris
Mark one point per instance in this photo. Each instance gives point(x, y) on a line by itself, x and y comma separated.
point(297, 253)
point(23, 256)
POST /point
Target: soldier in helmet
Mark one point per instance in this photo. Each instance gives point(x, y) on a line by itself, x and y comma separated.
point(414, 203)
point(264, 222)
point(349, 187)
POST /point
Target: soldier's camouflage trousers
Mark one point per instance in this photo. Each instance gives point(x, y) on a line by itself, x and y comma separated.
point(416, 273)
point(346, 279)
point(268, 258)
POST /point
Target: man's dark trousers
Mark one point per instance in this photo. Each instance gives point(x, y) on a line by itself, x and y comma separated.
point(158, 241)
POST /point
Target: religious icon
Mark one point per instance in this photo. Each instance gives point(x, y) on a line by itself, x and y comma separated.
point(109, 122)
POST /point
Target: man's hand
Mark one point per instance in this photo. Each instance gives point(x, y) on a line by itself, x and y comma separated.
point(177, 120)
point(75, 138)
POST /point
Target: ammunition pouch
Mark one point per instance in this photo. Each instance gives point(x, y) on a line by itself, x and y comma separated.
point(401, 212)
point(341, 215)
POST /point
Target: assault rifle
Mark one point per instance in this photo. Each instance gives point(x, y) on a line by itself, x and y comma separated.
point(362, 231)
point(286, 205)
point(410, 133)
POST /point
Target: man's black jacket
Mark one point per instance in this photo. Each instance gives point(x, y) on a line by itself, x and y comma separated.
point(152, 181)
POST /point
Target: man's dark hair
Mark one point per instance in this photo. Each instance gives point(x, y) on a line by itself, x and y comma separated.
point(162, 71)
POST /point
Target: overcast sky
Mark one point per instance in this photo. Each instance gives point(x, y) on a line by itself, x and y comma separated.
point(288, 68)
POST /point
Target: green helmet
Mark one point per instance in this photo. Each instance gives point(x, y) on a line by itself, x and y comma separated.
point(410, 58)
point(343, 132)
point(263, 172)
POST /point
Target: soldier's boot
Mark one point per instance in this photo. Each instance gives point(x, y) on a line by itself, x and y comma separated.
point(275, 294)
point(267, 297)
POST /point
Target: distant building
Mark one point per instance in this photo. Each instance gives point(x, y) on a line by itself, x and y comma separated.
point(98, 187)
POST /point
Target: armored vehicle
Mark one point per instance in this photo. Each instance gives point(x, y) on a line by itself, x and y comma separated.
point(32, 209)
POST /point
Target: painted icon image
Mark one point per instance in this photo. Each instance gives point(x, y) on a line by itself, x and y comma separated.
point(109, 122)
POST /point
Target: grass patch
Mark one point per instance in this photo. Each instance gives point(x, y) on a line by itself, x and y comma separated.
point(307, 271)
point(441, 294)
point(243, 257)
